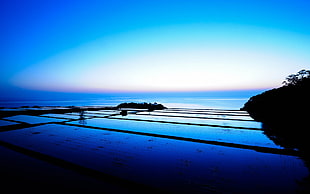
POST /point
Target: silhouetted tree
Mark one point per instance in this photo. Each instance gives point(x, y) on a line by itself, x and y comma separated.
point(295, 79)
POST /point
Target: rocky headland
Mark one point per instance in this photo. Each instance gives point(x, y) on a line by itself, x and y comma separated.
point(284, 112)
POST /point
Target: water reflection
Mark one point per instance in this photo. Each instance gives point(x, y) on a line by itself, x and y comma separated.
point(289, 138)
point(82, 119)
point(178, 166)
point(236, 136)
point(202, 121)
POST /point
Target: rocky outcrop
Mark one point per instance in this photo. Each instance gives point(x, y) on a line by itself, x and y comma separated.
point(285, 105)
point(144, 105)
point(284, 113)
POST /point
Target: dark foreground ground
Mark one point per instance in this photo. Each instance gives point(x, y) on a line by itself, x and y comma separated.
point(97, 150)
point(23, 173)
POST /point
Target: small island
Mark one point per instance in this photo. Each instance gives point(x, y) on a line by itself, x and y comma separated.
point(284, 111)
point(149, 106)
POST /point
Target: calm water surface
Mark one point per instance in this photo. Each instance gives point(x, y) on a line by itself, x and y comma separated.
point(199, 145)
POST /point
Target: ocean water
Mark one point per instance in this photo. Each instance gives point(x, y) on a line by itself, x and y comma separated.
point(216, 100)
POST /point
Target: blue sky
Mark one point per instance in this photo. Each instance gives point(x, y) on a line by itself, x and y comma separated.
point(163, 45)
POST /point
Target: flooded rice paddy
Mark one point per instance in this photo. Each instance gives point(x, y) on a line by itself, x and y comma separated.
point(174, 150)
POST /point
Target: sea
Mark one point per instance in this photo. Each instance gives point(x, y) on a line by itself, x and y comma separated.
point(230, 100)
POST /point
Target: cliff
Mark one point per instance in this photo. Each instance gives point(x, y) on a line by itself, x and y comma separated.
point(286, 104)
point(284, 111)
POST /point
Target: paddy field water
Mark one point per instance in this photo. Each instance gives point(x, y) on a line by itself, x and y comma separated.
point(185, 150)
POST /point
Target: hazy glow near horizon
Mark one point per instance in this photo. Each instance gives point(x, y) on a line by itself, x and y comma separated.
point(192, 56)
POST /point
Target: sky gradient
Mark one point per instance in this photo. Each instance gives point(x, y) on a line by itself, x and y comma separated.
point(163, 45)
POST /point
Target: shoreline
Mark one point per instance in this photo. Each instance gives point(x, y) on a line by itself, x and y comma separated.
point(38, 110)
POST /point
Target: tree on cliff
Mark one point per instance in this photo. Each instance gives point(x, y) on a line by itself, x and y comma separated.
point(295, 79)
